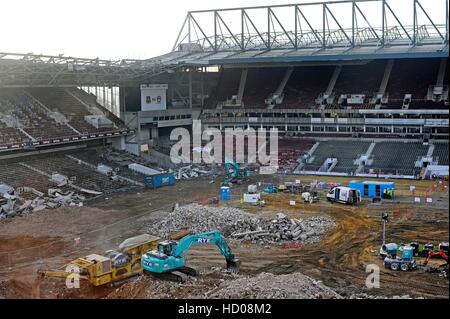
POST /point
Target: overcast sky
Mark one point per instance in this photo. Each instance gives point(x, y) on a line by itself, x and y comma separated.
point(113, 29)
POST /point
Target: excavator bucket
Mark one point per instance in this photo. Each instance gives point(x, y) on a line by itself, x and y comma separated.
point(233, 265)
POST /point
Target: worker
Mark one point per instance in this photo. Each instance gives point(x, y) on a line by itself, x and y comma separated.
point(388, 193)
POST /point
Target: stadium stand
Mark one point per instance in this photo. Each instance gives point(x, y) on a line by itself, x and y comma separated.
point(96, 156)
point(411, 77)
point(82, 175)
point(227, 86)
point(397, 158)
point(345, 152)
point(37, 115)
point(261, 82)
point(305, 85)
point(290, 150)
point(441, 153)
point(16, 175)
point(360, 79)
point(31, 117)
point(58, 99)
point(91, 100)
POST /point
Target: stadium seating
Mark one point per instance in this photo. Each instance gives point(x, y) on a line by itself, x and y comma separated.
point(290, 150)
point(307, 82)
point(91, 100)
point(396, 157)
point(16, 175)
point(441, 153)
point(305, 85)
point(57, 99)
point(227, 87)
point(345, 152)
point(83, 176)
point(95, 156)
point(412, 77)
point(31, 117)
point(360, 79)
point(261, 82)
point(39, 114)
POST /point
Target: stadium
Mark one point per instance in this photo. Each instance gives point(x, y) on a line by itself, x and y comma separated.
point(358, 92)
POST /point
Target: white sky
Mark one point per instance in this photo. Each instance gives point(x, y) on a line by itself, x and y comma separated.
point(113, 29)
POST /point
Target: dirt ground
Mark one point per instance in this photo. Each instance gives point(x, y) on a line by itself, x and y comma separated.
point(46, 240)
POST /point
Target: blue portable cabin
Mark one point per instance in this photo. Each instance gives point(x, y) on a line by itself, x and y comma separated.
point(225, 193)
point(159, 180)
point(371, 189)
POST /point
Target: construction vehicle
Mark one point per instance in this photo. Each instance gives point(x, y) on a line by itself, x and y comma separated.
point(310, 197)
point(440, 253)
point(234, 173)
point(111, 267)
point(444, 267)
point(167, 262)
point(405, 261)
point(344, 195)
point(422, 250)
point(270, 189)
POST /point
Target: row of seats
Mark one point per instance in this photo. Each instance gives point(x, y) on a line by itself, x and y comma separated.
point(390, 157)
point(59, 100)
point(16, 175)
point(27, 116)
point(97, 156)
point(308, 82)
point(441, 153)
point(345, 152)
point(290, 150)
point(83, 175)
point(387, 157)
point(31, 117)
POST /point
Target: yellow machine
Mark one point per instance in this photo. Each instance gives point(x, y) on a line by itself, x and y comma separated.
point(114, 265)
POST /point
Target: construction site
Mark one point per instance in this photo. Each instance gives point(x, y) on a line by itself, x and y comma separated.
point(94, 206)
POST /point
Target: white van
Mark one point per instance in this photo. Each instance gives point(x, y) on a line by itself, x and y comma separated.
point(344, 195)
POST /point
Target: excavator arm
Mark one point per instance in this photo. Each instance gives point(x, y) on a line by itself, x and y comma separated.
point(212, 237)
point(435, 253)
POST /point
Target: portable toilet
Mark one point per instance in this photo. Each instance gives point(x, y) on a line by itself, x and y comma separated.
point(372, 189)
point(225, 193)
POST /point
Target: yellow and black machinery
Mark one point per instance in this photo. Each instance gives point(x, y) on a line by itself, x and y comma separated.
point(113, 266)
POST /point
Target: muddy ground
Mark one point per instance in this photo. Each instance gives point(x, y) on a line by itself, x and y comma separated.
point(46, 240)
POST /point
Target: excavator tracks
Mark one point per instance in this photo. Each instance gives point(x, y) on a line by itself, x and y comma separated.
point(176, 275)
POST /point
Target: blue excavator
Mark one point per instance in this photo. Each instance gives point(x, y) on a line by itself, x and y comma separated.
point(167, 262)
point(235, 174)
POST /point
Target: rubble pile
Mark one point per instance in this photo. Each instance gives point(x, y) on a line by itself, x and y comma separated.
point(15, 204)
point(192, 171)
point(239, 225)
point(270, 286)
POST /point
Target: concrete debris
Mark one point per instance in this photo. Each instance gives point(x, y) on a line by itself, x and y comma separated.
point(144, 170)
point(59, 179)
point(192, 171)
point(270, 286)
point(366, 296)
point(105, 169)
point(239, 225)
point(55, 198)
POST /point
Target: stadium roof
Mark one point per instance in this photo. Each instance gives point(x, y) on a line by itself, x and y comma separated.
point(322, 31)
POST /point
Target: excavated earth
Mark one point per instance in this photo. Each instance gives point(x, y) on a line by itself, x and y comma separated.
point(332, 267)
